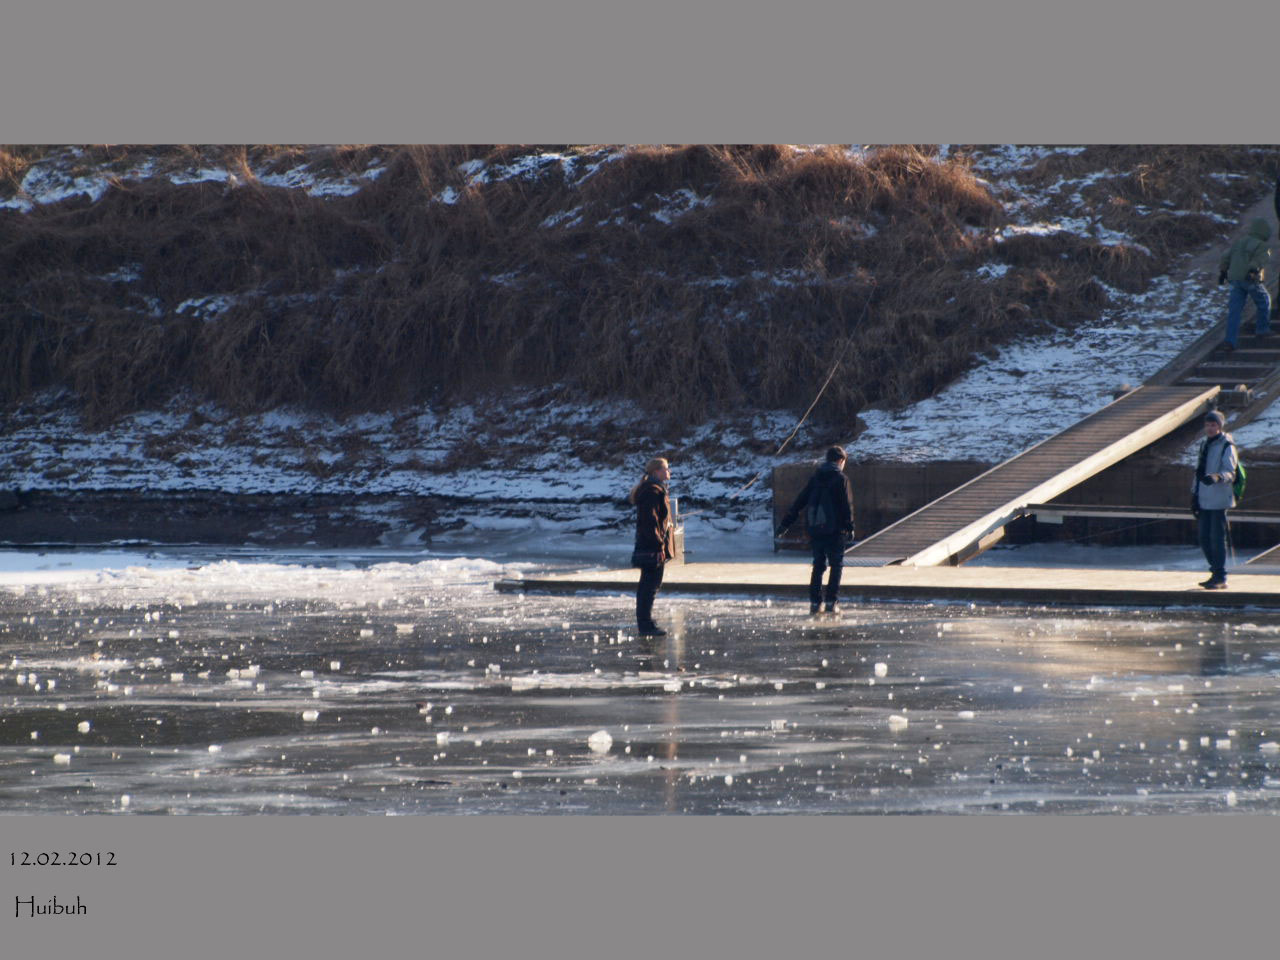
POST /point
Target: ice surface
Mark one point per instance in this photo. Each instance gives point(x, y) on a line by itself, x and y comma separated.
point(693, 701)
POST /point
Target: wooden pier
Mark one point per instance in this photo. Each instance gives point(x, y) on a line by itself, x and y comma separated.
point(788, 581)
point(970, 518)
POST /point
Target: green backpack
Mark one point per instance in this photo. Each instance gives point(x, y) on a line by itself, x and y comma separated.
point(1237, 485)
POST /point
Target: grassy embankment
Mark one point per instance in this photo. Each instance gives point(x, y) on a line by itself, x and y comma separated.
point(781, 261)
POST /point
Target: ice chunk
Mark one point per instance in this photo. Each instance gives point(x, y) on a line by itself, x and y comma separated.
point(897, 722)
point(600, 742)
point(310, 715)
point(777, 724)
point(175, 677)
point(1232, 799)
point(62, 759)
point(83, 726)
point(125, 799)
point(401, 628)
point(307, 674)
point(215, 748)
point(335, 665)
point(882, 669)
point(1223, 743)
point(442, 738)
point(966, 714)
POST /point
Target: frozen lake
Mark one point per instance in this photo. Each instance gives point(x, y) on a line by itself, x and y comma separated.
point(188, 682)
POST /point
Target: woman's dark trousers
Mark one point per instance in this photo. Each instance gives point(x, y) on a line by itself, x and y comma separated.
point(827, 552)
point(646, 590)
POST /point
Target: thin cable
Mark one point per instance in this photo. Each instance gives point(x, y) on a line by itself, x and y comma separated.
point(821, 390)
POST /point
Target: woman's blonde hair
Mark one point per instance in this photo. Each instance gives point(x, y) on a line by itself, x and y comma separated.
point(657, 463)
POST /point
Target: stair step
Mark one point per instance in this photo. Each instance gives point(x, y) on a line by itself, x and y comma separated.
point(1267, 355)
point(1229, 370)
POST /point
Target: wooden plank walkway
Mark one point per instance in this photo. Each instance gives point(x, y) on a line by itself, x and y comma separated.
point(1021, 585)
point(1055, 512)
point(964, 521)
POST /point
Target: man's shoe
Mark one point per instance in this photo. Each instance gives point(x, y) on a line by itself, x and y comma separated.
point(651, 630)
point(833, 608)
point(814, 608)
point(1215, 584)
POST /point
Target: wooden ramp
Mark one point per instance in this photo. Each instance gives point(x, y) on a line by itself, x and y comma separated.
point(1267, 560)
point(971, 517)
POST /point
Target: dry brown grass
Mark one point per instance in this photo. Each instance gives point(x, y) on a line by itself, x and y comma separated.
point(386, 297)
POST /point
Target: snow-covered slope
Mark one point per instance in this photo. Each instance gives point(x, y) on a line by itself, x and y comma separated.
point(573, 456)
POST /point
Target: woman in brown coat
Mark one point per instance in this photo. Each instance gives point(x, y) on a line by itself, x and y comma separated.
point(653, 540)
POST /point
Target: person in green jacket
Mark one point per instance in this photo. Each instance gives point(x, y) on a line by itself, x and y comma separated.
point(1245, 266)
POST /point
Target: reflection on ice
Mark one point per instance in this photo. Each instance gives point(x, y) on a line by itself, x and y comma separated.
point(189, 684)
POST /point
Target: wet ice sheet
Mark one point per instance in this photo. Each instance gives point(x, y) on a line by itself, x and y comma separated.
point(327, 686)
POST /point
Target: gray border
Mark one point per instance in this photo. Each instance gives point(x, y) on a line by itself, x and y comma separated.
point(482, 887)
point(674, 70)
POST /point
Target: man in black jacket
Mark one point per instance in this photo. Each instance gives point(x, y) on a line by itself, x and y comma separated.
point(827, 502)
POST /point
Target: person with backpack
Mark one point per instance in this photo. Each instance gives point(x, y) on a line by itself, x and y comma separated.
point(654, 546)
point(1213, 494)
point(827, 503)
point(1245, 266)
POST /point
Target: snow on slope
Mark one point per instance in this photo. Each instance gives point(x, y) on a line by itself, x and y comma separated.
point(1031, 389)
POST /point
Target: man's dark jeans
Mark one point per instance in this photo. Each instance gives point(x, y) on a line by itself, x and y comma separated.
point(1213, 541)
point(828, 551)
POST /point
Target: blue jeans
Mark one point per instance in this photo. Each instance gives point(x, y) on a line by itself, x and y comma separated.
point(1213, 541)
point(1235, 307)
point(827, 552)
